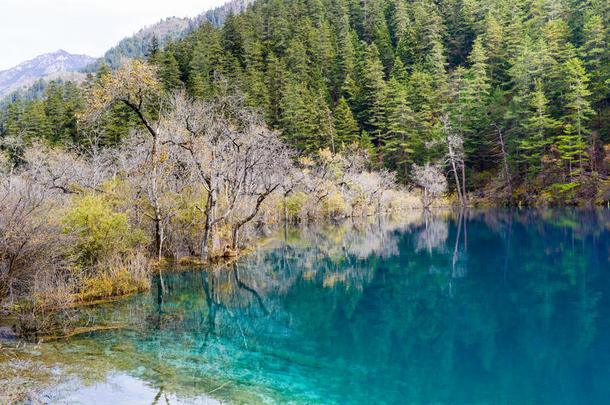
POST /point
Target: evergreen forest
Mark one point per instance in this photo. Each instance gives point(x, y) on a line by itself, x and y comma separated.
point(501, 93)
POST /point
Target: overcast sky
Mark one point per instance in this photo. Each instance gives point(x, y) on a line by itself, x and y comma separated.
point(32, 27)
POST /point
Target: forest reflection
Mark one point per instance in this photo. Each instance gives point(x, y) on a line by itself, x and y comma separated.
point(478, 306)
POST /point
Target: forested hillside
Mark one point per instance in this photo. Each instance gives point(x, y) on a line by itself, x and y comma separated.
point(157, 35)
point(508, 94)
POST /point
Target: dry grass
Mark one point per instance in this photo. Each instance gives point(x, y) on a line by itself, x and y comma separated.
point(117, 276)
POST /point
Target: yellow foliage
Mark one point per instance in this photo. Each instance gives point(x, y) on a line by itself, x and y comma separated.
point(334, 205)
point(133, 83)
point(117, 276)
point(295, 203)
point(101, 229)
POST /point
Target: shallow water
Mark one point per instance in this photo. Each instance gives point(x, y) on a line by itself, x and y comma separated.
point(484, 307)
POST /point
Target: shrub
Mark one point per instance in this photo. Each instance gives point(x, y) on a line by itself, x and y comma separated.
point(117, 276)
point(102, 231)
point(333, 206)
point(562, 193)
point(295, 203)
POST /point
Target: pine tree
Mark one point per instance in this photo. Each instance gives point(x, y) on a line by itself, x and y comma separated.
point(232, 38)
point(514, 32)
point(436, 64)
point(297, 60)
point(346, 127)
point(374, 95)
point(571, 148)
point(275, 80)
point(400, 19)
point(54, 106)
point(153, 50)
point(13, 123)
point(399, 72)
point(169, 71)
point(537, 128)
point(595, 50)
point(304, 117)
point(578, 107)
point(400, 134)
point(322, 50)
point(346, 51)
point(36, 123)
point(420, 93)
point(478, 70)
point(493, 38)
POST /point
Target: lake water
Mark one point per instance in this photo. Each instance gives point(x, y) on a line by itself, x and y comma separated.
point(482, 307)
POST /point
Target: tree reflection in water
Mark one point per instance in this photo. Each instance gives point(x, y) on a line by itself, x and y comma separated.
point(478, 306)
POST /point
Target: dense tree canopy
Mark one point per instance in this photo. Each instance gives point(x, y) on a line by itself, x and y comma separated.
point(410, 80)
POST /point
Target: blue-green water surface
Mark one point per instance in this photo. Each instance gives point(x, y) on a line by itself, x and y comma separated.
point(479, 307)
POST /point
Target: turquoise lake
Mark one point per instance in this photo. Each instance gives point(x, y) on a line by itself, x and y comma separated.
point(491, 306)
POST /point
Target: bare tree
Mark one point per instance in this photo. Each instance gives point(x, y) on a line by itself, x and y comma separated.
point(455, 156)
point(502, 145)
point(136, 86)
point(265, 160)
point(432, 181)
point(33, 249)
point(231, 153)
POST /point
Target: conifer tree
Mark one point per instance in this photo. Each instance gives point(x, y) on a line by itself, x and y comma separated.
point(595, 51)
point(400, 136)
point(169, 72)
point(537, 128)
point(36, 123)
point(375, 93)
point(153, 50)
point(578, 106)
point(571, 148)
point(345, 124)
point(436, 64)
point(346, 52)
point(493, 38)
point(12, 117)
point(478, 70)
point(54, 106)
point(420, 93)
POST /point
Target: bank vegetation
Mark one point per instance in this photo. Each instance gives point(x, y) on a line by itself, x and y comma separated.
point(191, 183)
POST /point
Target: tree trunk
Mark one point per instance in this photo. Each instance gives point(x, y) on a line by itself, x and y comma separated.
point(207, 229)
point(285, 208)
point(158, 237)
point(332, 132)
point(505, 164)
point(153, 158)
point(238, 225)
point(464, 181)
point(457, 182)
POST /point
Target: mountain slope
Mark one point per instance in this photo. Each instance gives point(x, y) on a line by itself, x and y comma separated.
point(164, 31)
point(56, 64)
point(63, 67)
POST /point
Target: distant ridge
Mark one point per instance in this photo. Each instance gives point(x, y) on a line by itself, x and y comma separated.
point(29, 79)
point(171, 28)
point(54, 65)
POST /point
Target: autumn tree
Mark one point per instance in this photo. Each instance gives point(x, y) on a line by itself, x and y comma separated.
point(137, 87)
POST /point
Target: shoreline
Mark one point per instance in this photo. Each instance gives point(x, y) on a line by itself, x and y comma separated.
point(191, 263)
